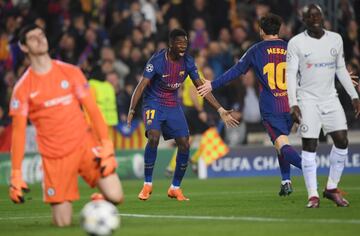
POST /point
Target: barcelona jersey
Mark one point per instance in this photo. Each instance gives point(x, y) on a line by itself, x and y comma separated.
point(268, 60)
point(166, 78)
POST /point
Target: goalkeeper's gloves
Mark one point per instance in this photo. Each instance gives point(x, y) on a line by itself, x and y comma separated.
point(17, 186)
point(106, 158)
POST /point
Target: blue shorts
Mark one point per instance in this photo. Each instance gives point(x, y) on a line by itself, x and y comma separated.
point(276, 125)
point(169, 120)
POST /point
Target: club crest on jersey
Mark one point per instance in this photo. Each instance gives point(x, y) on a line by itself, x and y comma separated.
point(149, 68)
point(333, 52)
point(304, 128)
point(182, 73)
point(15, 104)
point(64, 84)
point(288, 57)
point(50, 192)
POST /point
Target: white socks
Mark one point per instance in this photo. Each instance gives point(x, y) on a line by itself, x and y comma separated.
point(337, 164)
point(308, 165)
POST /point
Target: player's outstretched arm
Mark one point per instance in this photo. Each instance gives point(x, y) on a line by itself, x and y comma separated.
point(17, 184)
point(225, 115)
point(135, 98)
point(105, 155)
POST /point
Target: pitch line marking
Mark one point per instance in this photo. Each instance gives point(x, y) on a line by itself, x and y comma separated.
point(222, 218)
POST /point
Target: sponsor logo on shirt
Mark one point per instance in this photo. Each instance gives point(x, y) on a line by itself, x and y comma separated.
point(173, 86)
point(328, 65)
point(64, 100)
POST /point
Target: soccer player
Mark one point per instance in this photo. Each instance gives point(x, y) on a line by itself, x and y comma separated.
point(50, 93)
point(314, 57)
point(163, 75)
point(268, 59)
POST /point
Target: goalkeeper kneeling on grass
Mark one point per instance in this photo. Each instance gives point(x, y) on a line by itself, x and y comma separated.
point(51, 94)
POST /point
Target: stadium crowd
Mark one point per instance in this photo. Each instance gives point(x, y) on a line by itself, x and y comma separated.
point(112, 40)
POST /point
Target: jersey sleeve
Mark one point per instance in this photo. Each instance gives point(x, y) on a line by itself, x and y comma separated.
point(292, 67)
point(19, 102)
point(191, 68)
point(240, 68)
point(81, 85)
point(149, 70)
point(342, 73)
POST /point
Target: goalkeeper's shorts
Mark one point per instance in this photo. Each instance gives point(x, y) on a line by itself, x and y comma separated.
point(61, 175)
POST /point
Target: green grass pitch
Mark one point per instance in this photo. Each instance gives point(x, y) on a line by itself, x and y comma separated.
point(236, 206)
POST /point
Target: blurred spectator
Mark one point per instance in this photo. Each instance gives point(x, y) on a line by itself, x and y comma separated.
point(199, 37)
point(105, 96)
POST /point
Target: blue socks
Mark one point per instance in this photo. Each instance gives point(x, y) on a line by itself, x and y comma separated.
point(149, 158)
point(290, 155)
point(284, 167)
point(181, 164)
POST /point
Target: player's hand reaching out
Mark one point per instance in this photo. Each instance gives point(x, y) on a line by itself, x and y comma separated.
point(105, 156)
point(17, 186)
point(356, 106)
point(205, 88)
point(228, 119)
point(295, 114)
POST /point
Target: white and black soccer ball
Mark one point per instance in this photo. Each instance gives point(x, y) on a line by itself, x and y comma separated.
point(99, 218)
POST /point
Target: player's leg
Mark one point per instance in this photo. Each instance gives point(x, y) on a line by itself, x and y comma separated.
point(310, 129)
point(308, 163)
point(111, 188)
point(176, 128)
point(149, 159)
point(60, 186)
point(335, 125)
point(61, 213)
point(271, 125)
point(182, 160)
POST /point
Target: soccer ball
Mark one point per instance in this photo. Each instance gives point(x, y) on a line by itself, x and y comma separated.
point(99, 218)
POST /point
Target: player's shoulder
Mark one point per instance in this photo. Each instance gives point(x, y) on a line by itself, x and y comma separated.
point(298, 38)
point(65, 66)
point(23, 81)
point(157, 56)
point(333, 35)
point(188, 58)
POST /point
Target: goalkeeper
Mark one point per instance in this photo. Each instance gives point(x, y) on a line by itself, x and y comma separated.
point(51, 94)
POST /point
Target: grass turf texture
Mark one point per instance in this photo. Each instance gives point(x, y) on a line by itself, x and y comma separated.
point(249, 206)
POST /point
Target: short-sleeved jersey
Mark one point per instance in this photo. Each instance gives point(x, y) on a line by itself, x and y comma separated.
point(51, 101)
point(166, 77)
point(314, 62)
point(268, 59)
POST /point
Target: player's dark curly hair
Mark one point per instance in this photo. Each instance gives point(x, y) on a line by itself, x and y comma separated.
point(176, 33)
point(270, 24)
point(25, 30)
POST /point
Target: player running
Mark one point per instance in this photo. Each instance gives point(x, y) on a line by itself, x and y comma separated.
point(50, 93)
point(268, 59)
point(315, 56)
point(163, 75)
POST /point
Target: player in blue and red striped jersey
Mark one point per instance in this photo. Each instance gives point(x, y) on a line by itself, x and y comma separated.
point(268, 60)
point(163, 75)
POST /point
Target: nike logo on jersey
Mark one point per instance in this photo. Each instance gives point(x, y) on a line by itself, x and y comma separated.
point(167, 75)
point(34, 94)
point(307, 55)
